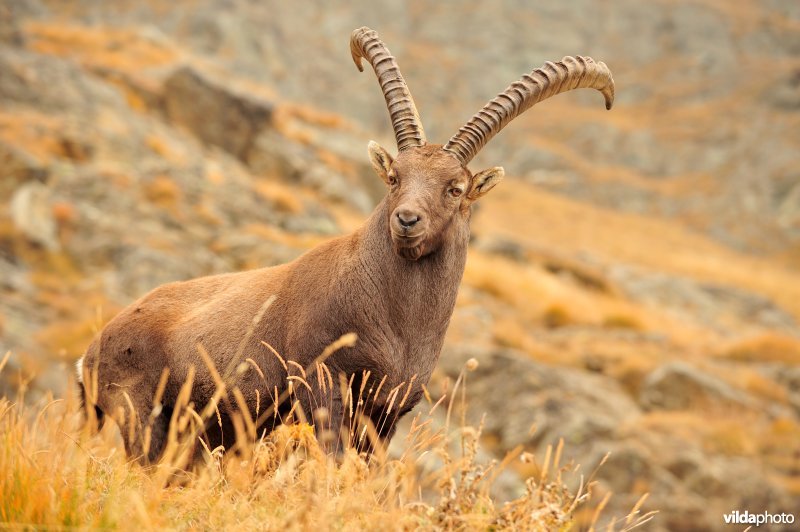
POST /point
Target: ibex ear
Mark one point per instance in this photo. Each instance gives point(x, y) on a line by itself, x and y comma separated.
point(484, 181)
point(380, 159)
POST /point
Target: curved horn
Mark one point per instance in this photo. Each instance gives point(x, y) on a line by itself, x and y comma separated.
point(365, 43)
point(549, 80)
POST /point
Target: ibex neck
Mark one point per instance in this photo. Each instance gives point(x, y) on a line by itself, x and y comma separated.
point(416, 293)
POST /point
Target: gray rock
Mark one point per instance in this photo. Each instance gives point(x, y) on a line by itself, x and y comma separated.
point(627, 463)
point(507, 485)
point(789, 209)
point(678, 386)
point(271, 155)
point(139, 269)
point(337, 187)
point(322, 225)
point(17, 166)
point(502, 246)
point(790, 377)
point(13, 277)
point(32, 214)
point(785, 94)
point(518, 393)
point(248, 251)
point(12, 14)
point(51, 84)
point(274, 155)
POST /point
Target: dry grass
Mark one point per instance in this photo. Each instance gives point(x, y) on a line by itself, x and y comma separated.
point(112, 48)
point(55, 474)
point(312, 115)
point(622, 321)
point(284, 198)
point(765, 347)
point(556, 316)
point(546, 296)
point(163, 191)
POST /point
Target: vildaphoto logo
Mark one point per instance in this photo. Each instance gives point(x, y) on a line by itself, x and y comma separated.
point(764, 518)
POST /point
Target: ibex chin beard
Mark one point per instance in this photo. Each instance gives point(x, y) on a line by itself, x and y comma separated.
point(409, 248)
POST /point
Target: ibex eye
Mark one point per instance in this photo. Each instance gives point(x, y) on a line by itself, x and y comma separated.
point(456, 192)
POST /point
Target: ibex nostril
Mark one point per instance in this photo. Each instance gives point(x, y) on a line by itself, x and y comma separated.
point(407, 219)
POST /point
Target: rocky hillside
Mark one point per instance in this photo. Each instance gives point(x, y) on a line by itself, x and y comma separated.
point(633, 287)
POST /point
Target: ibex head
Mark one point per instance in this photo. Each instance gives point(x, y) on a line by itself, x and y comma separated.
point(430, 186)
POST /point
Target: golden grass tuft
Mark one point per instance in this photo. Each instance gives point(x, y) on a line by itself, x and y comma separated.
point(730, 437)
point(556, 316)
point(509, 333)
point(779, 447)
point(313, 115)
point(283, 197)
point(622, 321)
point(765, 388)
point(163, 191)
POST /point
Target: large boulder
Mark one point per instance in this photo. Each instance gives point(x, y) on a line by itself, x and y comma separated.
point(535, 404)
point(215, 113)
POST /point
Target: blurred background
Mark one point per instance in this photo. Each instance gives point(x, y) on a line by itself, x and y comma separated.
point(633, 285)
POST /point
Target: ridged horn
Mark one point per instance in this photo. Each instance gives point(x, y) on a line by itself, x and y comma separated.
point(549, 80)
point(364, 43)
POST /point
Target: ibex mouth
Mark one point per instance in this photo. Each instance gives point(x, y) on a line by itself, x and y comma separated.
point(402, 237)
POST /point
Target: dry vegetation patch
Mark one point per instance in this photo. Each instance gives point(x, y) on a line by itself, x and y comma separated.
point(54, 473)
point(765, 347)
point(101, 48)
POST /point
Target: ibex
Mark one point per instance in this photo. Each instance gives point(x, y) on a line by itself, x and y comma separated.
point(393, 282)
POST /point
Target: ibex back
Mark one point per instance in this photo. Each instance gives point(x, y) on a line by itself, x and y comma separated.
point(393, 283)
